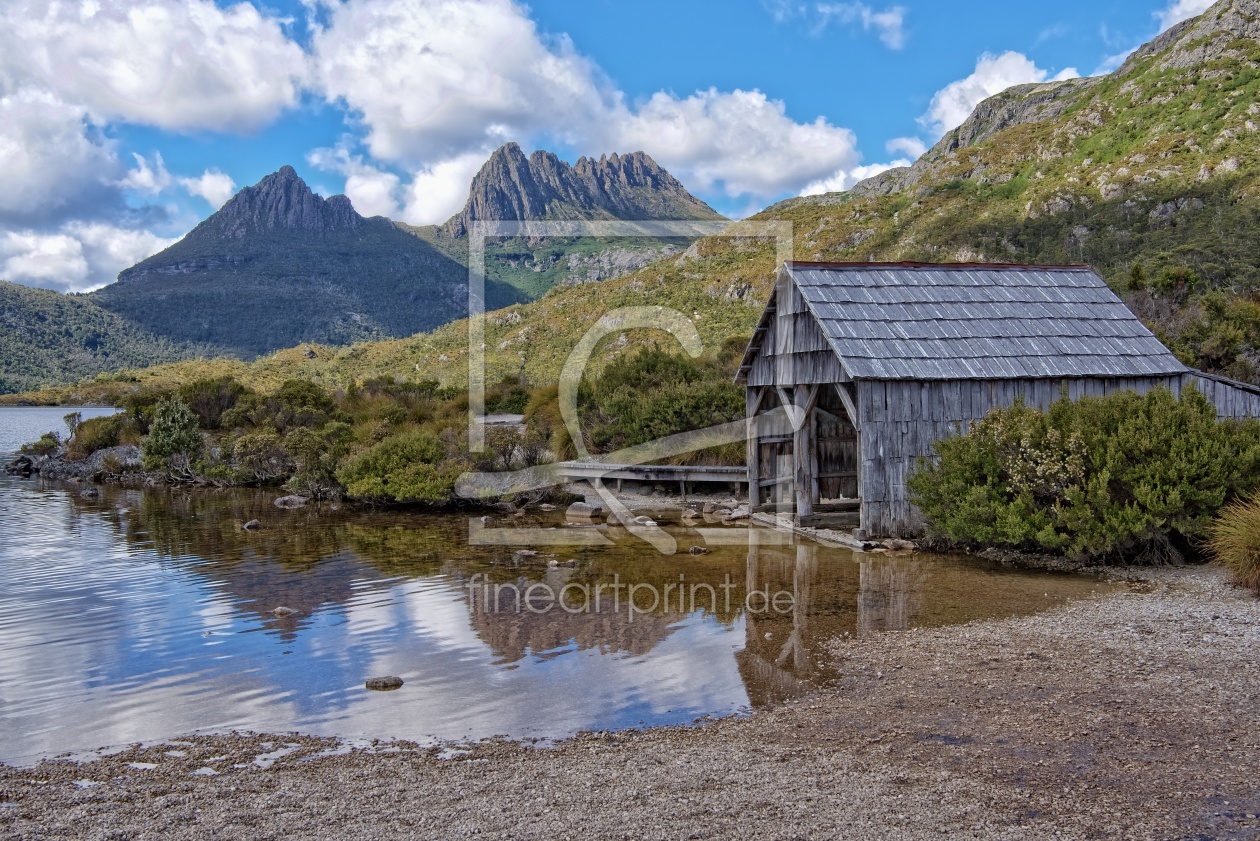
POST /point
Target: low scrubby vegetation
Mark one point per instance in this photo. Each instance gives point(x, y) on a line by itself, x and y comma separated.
point(388, 440)
point(1234, 541)
point(1125, 476)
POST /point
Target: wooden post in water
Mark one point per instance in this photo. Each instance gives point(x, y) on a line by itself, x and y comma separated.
point(753, 454)
point(802, 451)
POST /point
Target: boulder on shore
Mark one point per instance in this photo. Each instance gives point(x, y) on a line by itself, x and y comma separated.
point(23, 466)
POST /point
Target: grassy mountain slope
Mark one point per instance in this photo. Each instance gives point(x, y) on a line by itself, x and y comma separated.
point(46, 337)
point(1151, 175)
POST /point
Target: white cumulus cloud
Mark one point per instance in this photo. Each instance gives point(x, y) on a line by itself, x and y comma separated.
point(738, 141)
point(212, 185)
point(952, 104)
point(911, 147)
point(53, 160)
point(1180, 10)
point(435, 107)
point(889, 24)
point(174, 64)
point(78, 257)
point(840, 181)
point(436, 193)
point(372, 191)
point(147, 178)
point(434, 79)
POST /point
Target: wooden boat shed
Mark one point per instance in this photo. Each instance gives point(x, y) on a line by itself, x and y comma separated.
point(874, 362)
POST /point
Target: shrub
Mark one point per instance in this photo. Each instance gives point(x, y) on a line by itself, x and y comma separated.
point(654, 394)
point(210, 399)
point(95, 434)
point(1115, 475)
point(1233, 539)
point(47, 444)
point(173, 438)
point(408, 467)
point(261, 457)
point(315, 456)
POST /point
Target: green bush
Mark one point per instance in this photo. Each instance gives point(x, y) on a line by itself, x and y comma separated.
point(1110, 476)
point(210, 399)
point(408, 467)
point(654, 394)
point(95, 434)
point(1233, 539)
point(260, 457)
point(173, 438)
point(47, 444)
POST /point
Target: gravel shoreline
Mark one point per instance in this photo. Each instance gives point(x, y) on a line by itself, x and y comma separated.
point(1131, 715)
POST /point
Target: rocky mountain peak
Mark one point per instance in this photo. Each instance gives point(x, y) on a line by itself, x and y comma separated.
point(281, 201)
point(511, 186)
point(1201, 39)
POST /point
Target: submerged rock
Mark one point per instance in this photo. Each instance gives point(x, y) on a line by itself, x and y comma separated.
point(90, 493)
point(292, 502)
point(583, 512)
point(384, 684)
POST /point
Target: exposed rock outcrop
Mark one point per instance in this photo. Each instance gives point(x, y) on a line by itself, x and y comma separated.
point(511, 186)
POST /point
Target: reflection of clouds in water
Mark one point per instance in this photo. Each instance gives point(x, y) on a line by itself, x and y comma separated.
point(106, 643)
point(108, 636)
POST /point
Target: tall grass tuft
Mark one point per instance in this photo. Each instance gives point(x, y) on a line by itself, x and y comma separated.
point(1233, 539)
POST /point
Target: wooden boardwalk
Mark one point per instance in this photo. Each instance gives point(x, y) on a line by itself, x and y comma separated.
point(684, 475)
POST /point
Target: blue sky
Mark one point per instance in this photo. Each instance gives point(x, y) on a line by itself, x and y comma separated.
point(125, 122)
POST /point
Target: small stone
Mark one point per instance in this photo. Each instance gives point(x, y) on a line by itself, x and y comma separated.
point(384, 684)
point(698, 550)
point(90, 493)
point(252, 525)
point(284, 611)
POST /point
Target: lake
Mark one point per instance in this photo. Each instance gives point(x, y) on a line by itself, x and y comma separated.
point(146, 614)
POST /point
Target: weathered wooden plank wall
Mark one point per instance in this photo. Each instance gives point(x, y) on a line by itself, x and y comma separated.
point(1232, 399)
point(794, 350)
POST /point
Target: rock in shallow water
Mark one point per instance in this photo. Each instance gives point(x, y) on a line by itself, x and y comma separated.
point(291, 502)
point(284, 611)
point(252, 525)
point(384, 684)
point(582, 512)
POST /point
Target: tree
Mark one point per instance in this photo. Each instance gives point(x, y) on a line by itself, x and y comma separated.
point(173, 439)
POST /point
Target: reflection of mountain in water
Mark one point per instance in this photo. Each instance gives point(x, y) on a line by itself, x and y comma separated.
point(304, 560)
point(501, 615)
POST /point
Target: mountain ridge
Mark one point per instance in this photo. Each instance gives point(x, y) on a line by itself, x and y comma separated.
point(542, 187)
point(278, 265)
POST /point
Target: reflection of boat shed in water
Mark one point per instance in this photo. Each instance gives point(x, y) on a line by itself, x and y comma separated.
point(876, 361)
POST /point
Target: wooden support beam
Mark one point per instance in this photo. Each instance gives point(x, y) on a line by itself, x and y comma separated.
point(802, 455)
point(850, 406)
point(753, 399)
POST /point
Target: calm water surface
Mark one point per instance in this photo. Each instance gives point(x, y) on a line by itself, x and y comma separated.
point(144, 615)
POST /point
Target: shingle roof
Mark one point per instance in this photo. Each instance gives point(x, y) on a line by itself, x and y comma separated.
point(917, 321)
